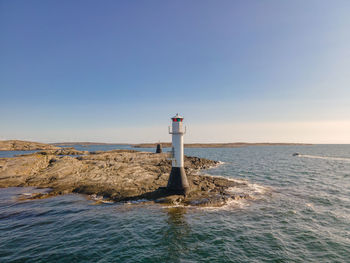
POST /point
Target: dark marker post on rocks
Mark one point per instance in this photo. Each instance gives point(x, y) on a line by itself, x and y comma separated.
point(177, 183)
point(159, 148)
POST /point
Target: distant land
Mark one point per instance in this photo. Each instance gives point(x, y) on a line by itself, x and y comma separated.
point(18, 145)
point(214, 145)
point(188, 145)
point(86, 143)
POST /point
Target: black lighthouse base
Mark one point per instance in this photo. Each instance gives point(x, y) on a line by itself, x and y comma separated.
point(178, 183)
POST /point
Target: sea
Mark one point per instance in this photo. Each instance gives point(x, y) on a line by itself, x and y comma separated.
point(299, 211)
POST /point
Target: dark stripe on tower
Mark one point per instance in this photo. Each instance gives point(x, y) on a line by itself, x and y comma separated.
point(178, 183)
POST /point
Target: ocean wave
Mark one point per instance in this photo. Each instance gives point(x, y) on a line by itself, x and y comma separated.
point(138, 201)
point(325, 157)
point(99, 199)
point(249, 191)
point(241, 195)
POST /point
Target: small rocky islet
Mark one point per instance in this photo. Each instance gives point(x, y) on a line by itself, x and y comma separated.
point(117, 175)
point(17, 145)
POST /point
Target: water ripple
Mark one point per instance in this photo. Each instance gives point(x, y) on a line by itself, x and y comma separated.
point(300, 213)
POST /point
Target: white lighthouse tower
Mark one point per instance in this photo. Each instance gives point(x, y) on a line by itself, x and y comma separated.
point(177, 180)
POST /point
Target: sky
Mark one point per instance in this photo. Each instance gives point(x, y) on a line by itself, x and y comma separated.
point(116, 71)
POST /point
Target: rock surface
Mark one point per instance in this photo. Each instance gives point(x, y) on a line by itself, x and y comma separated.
point(16, 145)
point(118, 175)
point(62, 151)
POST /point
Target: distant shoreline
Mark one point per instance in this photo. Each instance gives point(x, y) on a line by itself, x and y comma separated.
point(86, 143)
point(187, 145)
point(17, 145)
point(215, 145)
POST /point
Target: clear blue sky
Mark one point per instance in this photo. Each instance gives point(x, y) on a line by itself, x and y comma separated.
point(116, 71)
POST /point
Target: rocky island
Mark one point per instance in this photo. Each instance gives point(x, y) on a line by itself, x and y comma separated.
point(16, 145)
point(118, 175)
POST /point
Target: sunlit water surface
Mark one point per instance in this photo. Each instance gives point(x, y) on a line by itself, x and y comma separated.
point(302, 214)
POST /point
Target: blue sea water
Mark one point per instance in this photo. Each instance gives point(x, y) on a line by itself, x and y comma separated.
point(301, 213)
point(6, 154)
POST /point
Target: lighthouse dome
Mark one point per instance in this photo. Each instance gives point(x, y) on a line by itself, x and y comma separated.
point(177, 118)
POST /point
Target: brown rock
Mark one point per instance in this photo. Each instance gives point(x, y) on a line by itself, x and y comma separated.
point(16, 145)
point(119, 175)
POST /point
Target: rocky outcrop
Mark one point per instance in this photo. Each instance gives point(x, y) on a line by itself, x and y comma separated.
point(16, 145)
point(118, 175)
point(61, 151)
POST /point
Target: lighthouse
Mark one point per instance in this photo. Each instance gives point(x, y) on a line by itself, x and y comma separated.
point(177, 180)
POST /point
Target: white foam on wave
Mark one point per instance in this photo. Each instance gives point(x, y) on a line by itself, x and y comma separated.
point(242, 195)
point(250, 190)
point(27, 194)
point(230, 205)
point(225, 177)
point(324, 157)
point(135, 202)
point(219, 163)
point(309, 205)
point(244, 185)
point(100, 199)
point(107, 201)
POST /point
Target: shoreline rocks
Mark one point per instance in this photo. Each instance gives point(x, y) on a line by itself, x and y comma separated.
point(118, 175)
